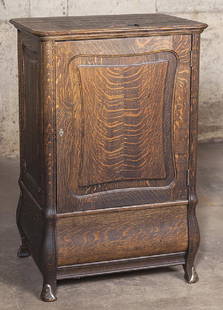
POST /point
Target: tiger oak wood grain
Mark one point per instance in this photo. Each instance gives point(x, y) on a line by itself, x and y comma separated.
point(115, 98)
point(73, 115)
point(194, 233)
point(108, 135)
point(70, 25)
point(107, 236)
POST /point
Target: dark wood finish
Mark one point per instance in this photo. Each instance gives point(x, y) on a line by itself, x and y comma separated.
point(194, 234)
point(124, 118)
point(49, 241)
point(108, 129)
point(31, 115)
point(71, 25)
point(23, 250)
point(32, 222)
point(120, 265)
point(118, 99)
point(31, 144)
point(104, 236)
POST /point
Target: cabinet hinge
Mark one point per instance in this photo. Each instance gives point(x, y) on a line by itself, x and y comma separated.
point(188, 177)
point(191, 58)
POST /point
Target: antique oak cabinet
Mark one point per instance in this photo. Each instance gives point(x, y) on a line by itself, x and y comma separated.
point(108, 138)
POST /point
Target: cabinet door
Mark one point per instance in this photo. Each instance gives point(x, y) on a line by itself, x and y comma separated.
point(122, 121)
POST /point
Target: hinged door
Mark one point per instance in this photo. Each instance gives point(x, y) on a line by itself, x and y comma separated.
point(122, 121)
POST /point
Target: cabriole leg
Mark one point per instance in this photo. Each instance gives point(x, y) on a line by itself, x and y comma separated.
point(191, 275)
point(23, 250)
point(48, 263)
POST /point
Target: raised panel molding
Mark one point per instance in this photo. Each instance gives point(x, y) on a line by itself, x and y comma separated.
point(122, 113)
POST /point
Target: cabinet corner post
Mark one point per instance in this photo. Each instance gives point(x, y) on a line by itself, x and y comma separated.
point(48, 255)
point(193, 228)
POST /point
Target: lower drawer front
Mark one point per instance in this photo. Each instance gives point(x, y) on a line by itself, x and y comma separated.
point(108, 235)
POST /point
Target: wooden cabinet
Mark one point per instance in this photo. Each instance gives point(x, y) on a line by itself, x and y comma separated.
point(108, 134)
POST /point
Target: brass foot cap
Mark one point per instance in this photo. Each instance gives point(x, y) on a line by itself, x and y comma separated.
point(47, 294)
point(193, 277)
point(23, 252)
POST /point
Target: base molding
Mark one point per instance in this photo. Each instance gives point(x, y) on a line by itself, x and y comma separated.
point(121, 265)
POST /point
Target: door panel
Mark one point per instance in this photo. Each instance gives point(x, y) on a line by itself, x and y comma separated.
point(119, 142)
point(122, 106)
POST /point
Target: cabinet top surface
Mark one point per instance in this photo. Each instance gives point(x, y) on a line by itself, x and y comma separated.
point(68, 25)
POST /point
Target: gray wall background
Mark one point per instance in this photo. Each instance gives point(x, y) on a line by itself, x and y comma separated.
point(211, 81)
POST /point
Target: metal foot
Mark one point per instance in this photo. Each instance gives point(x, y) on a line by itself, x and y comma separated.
point(47, 293)
point(192, 276)
point(23, 251)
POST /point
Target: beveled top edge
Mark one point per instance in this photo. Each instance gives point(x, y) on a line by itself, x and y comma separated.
point(99, 24)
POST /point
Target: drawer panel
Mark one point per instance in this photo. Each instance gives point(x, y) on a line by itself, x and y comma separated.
point(122, 233)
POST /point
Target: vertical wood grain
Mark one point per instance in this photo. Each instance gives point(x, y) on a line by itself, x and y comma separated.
point(123, 117)
point(181, 109)
point(76, 114)
point(48, 96)
point(193, 228)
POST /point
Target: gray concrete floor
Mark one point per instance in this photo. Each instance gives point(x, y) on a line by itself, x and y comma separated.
point(20, 280)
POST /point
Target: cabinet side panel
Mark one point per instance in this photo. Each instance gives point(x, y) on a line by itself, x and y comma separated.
point(121, 234)
point(31, 116)
point(32, 223)
point(32, 176)
point(37, 131)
